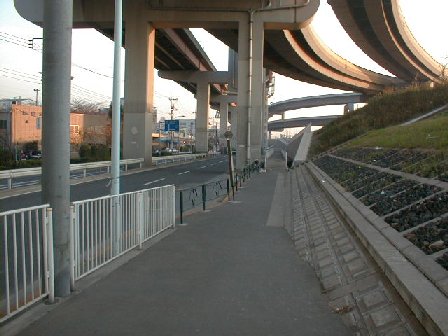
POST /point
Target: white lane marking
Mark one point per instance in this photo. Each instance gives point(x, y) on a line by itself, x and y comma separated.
point(185, 172)
point(212, 164)
point(155, 181)
point(202, 167)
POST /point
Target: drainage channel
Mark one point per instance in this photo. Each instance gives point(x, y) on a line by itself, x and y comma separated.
point(355, 286)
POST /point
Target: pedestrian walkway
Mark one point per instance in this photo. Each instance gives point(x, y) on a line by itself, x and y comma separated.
point(225, 273)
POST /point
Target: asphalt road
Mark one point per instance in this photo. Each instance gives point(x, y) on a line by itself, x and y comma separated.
point(182, 176)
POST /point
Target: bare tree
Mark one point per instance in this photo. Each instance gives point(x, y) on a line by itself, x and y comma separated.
point(83, 106)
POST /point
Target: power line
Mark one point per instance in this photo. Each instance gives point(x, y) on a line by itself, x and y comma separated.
point(92, 71)
point(21, 73)
point(22, 42)
point(35, 79)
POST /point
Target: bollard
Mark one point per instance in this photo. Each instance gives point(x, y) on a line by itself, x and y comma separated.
point(204, 197)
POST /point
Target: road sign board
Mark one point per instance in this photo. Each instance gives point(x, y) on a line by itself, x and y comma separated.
point(172, 125)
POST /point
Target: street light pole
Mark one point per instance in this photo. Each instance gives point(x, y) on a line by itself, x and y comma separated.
point(116, 122)
point(37, 96)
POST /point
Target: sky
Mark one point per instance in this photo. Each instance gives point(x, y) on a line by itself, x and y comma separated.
point(92, 58)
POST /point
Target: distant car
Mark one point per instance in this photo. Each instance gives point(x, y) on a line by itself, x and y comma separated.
point(35, 155)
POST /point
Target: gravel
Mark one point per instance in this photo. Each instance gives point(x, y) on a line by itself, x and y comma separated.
point(430, 238)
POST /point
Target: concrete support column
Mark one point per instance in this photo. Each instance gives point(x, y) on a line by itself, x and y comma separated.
point(258, 90)
point(234, 125)
point(56, 74)
point(139, 84)
point(223, 118)
point(243, 89)
point(202, 109)
point(350, 107)
point(265, 117)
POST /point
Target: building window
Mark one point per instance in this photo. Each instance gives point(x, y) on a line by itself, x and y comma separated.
point(39, 122)
point(3, 124)
point(33, 114)
point(74, 129)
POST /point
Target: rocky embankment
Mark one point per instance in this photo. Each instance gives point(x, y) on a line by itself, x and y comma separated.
point(406, 188)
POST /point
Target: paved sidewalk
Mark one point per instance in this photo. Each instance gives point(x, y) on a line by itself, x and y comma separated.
point(225, 273)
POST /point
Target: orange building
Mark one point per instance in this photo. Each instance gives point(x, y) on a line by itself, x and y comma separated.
point(21, 124)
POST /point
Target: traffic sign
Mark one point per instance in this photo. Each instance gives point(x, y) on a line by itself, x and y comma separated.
point(171, 125)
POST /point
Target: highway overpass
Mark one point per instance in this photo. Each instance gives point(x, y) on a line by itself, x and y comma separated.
point(315, 101)
point(279, 125)
point(380, 30)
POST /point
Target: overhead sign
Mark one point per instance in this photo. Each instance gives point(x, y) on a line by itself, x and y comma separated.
point(171, 125)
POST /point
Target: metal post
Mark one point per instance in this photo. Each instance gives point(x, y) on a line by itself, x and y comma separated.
point(116, 122)
point(115, 185)
point(181, 205)
point(50, 256)
point(72, 248)
point(141, 216)
point(56, 76)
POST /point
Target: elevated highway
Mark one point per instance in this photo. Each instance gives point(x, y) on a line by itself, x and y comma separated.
point(174, 48)
point(301, 55)
point(314, 101)
point(380, 30)
point(279, 125)
point(266, 34)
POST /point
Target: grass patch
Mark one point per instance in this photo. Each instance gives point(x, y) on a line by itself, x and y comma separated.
point(384, 110)
point(430, 133)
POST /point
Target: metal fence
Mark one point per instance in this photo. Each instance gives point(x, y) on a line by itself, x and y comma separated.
point(26, 272)
point(106, 227)
point(163, 160)
point(13, 174)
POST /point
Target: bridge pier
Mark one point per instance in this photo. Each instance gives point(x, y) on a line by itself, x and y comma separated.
point(202, 110)
point(244, 76)
point(257, 90)
point(233, 125)
point(223, 101)
point(202, 79)
point(223, 118)
point(139, 85)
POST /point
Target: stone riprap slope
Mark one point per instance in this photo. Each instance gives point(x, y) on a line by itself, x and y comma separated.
point(407, 188)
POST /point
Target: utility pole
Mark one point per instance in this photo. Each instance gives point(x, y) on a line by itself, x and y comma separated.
point(56, 71)
point(173, 108)
point(37, 96)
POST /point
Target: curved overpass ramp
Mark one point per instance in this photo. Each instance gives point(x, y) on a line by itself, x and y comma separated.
point(279, 125)
point(380, 30)
point(314, 101)
point(300, 54)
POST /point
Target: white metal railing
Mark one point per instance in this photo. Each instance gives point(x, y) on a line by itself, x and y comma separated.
point(26, 272)
point(12, 174)
point(157, 161)
point(107, 227)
